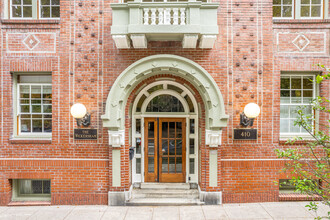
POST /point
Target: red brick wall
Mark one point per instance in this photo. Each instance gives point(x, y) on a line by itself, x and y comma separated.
point(245, 62)
point(72, 182)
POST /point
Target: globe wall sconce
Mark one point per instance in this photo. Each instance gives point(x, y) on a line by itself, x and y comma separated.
point(251, 111)
point(79, 112)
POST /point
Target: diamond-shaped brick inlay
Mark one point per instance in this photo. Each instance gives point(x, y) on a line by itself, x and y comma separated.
point(31, 41)
point(301, 42)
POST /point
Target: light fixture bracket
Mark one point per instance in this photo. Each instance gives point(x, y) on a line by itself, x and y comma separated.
point(246, 121)
point(85, 121)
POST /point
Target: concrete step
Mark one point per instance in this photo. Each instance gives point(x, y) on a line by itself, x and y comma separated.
point(175, 186)
point(165, 193)
point(162, 202)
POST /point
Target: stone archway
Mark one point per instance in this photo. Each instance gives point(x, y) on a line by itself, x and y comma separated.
point(114, 117)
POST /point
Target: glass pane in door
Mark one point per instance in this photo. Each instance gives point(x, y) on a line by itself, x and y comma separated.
point(151, 147)
point(151, 165)
point(165, 147)
point(165, 165)
point(172, 129)
point(178, 147)
point(179, 164)
point(172, 147)
point(179, 130)
point(151, 130)
point(165, 130)
point(171, 165)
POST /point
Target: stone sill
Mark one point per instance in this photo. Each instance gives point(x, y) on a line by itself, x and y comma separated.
point(297, 197)
point(30, 203)
point(300, 21)
point(30, 141)
point(32, 21)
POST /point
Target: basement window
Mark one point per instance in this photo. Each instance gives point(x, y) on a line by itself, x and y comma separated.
point(286, 187)
point(31, 190)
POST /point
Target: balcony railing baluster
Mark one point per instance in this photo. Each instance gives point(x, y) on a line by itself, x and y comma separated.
point(182, 16)
point(160, 16)
point(164, 16)
point(167, 16)
point(146, 16)
point(153, 16)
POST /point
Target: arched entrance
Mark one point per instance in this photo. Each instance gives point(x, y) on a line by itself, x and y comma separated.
point(164, 133)
point(114, 119)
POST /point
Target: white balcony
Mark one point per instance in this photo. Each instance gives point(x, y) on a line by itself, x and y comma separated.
point(135, 23)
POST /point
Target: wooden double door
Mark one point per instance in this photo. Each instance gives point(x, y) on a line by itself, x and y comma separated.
point(165, 150)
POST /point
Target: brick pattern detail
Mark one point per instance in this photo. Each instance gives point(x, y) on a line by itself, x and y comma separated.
point(31, 42)
point(302, 42)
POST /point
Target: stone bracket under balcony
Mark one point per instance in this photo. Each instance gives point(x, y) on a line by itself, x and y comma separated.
point(193, 23)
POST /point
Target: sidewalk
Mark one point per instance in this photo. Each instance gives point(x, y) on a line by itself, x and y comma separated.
point(282, 210)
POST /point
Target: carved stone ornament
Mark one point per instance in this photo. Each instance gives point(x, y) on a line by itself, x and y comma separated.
point(116, 138)
point(213, 138)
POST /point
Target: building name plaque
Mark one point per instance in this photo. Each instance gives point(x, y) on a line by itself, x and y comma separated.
point(245, 134)
point(85, 134)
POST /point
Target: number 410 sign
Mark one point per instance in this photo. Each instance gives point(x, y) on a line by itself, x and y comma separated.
point(245, 134)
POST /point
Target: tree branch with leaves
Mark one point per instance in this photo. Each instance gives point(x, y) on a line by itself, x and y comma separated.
point(308, 159)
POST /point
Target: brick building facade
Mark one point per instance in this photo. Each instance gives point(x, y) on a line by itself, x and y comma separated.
point(219, 56)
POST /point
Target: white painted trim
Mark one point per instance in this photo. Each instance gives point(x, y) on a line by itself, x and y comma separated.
point(213, 168)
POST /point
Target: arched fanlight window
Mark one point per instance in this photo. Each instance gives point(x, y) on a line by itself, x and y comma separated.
point(162, 97)
point(165, 103)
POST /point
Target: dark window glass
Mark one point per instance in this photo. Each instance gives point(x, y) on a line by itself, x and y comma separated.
point(192, 126)
point(165, 103)
point(138, 165)
point(30, 187)
point(192, 166)
point(138, 126)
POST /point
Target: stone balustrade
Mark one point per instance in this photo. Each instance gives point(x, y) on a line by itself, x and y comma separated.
point(135, 23)
point(164, 16)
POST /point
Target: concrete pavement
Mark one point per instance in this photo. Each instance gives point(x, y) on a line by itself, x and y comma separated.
point(282, 210)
